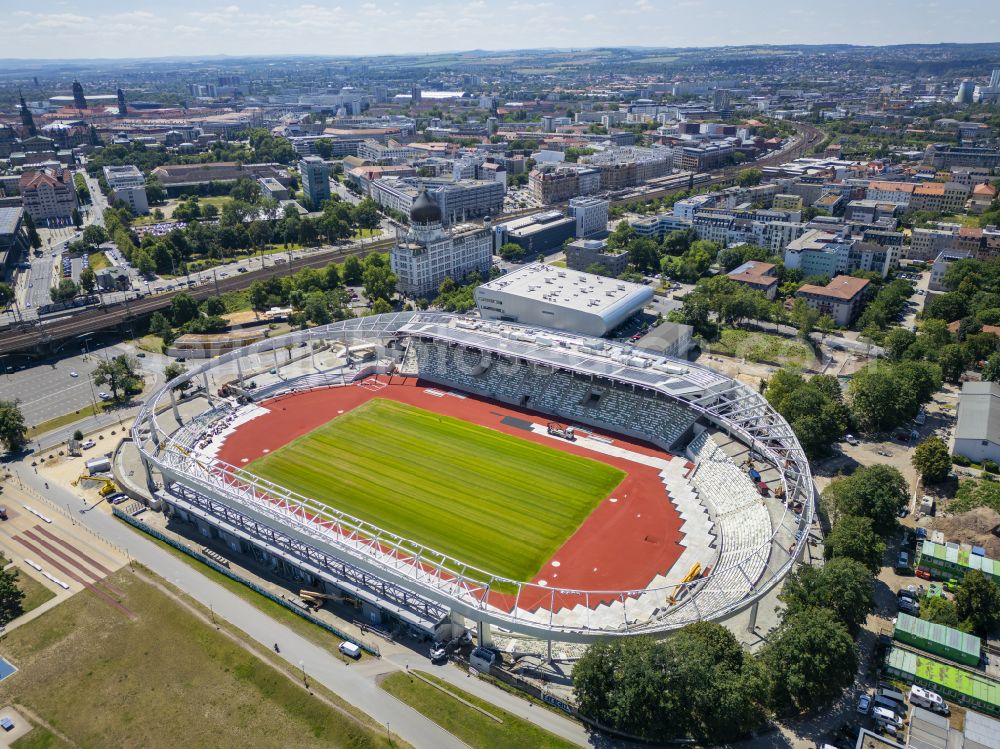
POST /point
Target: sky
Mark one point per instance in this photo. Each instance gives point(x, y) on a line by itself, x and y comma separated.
point(45, 29)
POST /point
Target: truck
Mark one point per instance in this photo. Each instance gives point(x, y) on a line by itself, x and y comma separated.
point(561, 430)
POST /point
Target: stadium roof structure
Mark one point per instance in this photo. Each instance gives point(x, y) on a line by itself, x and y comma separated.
point(319, 538)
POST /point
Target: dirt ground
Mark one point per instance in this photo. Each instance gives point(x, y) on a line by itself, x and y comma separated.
point(971, 527)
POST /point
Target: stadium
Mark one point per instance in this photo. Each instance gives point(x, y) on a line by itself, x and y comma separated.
point(532, 482)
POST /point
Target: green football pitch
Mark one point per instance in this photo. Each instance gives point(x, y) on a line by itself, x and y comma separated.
point(481, 496)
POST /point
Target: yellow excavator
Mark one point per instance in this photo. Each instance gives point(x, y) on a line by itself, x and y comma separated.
point(692, 574)
point(107, 485)
point(314, 598)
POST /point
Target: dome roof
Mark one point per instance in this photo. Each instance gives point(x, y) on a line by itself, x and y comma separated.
point(425, 210)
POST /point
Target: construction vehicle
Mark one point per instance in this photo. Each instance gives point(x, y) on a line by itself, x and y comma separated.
point(107, 485)
point(561, 430)
point(314, 599)
point(693, 574)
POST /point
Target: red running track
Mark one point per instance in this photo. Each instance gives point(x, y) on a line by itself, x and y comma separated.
point(629, 538)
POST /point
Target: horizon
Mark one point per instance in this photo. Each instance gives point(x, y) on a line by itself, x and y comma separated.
point(363, 28)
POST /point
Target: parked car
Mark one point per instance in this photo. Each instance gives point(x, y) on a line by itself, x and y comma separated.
point(73, 374)
point(851, 440)
point(903, 562)
point(87, 444)
point(864, 704)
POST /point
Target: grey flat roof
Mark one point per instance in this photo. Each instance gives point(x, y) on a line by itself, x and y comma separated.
point(979, 412)
point(572, 289)
point(9, 218)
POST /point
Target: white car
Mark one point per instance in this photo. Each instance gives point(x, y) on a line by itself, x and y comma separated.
point(851, 440)
point(73, 374)
point(104, 396)
point(87, 444)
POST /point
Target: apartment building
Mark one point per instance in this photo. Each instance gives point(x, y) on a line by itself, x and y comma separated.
point(48, 196)
point(842, 299)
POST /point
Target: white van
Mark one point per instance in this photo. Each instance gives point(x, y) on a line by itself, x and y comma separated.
point(884, 717)
point(350, 650)
point(927, 699)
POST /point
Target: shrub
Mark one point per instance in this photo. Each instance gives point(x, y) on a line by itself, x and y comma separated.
point(990, 466)
point(960, 460)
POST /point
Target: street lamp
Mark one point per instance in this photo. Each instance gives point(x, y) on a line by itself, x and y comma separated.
point(305, 681)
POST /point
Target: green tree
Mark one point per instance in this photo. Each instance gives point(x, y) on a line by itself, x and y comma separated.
point(183, 309)
point(379, 282)
point(804, 317)
point(159, 326)
point(11, 597)
point(352, 270)
point(155, 192)
point(175, 369)
point(120, 375)
point(317, 308)
point(878, 492)
point(380, 307)
point(512, 252)
point(65, 290)
point(31, 232)
point(897, 341)
point(6, 295)
point(76, 218)
point(844, 586)
point(978, 601)
point(810, 659)
point(932, 460)
point(214, 306)
point(94, 235)
point(953, 360)
point(854, 537)
point(991, 371)
point(88, 280)
point(13, 431)
point(940, 610)
point(749, 177)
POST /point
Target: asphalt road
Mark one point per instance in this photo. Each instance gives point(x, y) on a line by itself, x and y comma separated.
point(354, 683)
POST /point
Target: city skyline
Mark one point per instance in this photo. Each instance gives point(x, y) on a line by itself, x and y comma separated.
point(367, 27)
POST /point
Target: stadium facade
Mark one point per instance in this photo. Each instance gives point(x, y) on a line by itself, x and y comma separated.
point(617, 388)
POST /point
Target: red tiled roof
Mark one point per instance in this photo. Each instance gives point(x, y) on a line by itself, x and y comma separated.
point(841, 287)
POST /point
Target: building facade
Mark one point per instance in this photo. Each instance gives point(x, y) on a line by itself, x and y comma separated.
point(128, 186)
point(842, 299)
point(429, 252)
point(591, 215)
point(315, 180)
point(48, 196)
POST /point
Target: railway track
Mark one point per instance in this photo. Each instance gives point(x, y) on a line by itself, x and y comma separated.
point(104, 318)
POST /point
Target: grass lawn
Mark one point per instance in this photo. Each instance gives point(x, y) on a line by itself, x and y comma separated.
point(39, 737)
point(152, 344)
point(61, 421)
point(486, 498)
point(164, 679)
point(276, 611)
point(35, 594)
point(99, 261)
point(471, 726)
point(762, 347)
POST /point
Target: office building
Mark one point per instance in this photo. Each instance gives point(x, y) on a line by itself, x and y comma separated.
point(584, 254)
point(539, 233)
point(428, 252)
point(13, 239)
point(591, 215)
point(842, 299)
point(48, 196)
point(315, 180)
point(927, 244)
point(558, 183)
point(561, 299)
point(129, 186)
point(945, 156)
point(271, 188)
